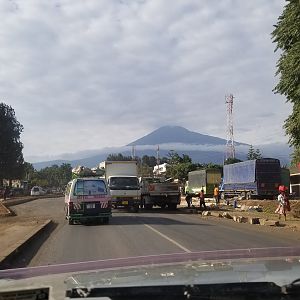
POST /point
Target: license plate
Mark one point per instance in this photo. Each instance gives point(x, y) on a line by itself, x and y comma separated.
point(90, 205)
point(125, 202)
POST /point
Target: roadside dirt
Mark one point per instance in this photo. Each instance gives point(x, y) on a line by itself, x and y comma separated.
point(268, 208)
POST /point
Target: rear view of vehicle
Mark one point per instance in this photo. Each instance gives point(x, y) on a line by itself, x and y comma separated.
point(87, 199)
point(157, 192)
point(205, 180)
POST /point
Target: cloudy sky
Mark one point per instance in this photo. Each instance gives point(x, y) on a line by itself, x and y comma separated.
point(101, 73)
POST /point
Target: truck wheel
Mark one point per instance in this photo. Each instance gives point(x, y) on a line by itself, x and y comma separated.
point(148, 206)
point(248, 196)
point(172, 206)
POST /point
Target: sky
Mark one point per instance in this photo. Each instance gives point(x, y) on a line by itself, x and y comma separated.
point(102, 73)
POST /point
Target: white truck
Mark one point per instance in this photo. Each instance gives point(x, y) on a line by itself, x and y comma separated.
point(123, 183)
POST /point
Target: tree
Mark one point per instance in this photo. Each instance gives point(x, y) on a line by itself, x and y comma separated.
point(179, 166)
point(287, 37)
point(253, 153)
point(11, 156)
point(149, 161)
point(230, 161)
point(28, 171)
point(118, 157)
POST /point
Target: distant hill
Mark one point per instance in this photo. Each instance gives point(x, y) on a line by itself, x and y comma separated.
point(201, 148)
point(177, 134)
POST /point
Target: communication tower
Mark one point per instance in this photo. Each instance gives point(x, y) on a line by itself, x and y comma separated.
point(230, 150)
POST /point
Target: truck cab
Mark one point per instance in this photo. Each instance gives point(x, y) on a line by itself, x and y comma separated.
point(123, 184)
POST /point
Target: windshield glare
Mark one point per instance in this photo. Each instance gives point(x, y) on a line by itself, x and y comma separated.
point(89, 188)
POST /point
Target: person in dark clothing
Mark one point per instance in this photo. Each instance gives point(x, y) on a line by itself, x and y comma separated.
point(188, 199)
point(5, 193)
point(202, 199)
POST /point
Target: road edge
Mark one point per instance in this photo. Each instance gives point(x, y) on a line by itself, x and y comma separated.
point(18, 248)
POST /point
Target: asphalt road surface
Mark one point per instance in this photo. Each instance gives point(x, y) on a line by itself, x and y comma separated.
point(144, 233)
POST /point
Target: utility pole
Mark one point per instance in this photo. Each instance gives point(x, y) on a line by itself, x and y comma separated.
point(157, 159)
point(133, 152)
point(230, 150)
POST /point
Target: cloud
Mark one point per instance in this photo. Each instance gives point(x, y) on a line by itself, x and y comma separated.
point(92, 74)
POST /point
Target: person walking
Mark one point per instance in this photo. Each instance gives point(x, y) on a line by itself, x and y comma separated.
point(202, 199)
point(188, 199)
point(216, 195)
point(283, 205)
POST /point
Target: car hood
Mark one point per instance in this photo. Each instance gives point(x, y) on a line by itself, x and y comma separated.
point(278, 265)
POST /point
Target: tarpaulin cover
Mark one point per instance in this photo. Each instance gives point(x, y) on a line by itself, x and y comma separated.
point(242, 172)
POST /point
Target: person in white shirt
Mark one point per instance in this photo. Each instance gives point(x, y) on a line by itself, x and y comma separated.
point(282, 205)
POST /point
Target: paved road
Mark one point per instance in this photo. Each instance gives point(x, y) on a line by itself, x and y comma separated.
point(145, 233)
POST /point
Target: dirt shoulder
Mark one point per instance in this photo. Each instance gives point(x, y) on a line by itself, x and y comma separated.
point(262, 209)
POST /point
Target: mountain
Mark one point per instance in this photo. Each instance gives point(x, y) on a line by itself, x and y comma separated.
point(177, 134)
point(201, 148)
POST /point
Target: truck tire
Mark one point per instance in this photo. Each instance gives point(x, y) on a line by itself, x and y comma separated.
point(136, 208)
point(172, 206)
point(148, 206)
point(248, 196)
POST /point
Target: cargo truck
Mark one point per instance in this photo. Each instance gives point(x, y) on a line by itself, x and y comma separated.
point(123, 184)
point(259, 178)
point(205, 179)
point(159, 192)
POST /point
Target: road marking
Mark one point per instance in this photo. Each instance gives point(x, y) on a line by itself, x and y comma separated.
point(168, 238)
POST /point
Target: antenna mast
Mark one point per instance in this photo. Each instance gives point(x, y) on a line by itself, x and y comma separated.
point(230, 150)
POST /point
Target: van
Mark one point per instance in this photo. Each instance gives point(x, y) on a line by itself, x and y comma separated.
point(87, 199)
point(37, 191)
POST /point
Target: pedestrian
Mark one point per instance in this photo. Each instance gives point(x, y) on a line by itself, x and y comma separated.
point(202, 199)
point(216, 195)
point(5, 193)
point(283, 205)
point(188, 199)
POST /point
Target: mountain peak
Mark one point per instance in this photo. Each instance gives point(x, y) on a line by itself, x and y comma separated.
point(177, 134)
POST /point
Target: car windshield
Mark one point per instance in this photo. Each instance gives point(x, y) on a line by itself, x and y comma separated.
point(149, 132)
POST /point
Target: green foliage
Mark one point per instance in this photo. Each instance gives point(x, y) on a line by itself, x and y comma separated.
point(118, 157)
point(28, 171)
point(230, 161)
point(287, 37)
point(54, 176)
point(179, 166)
point(253, 153)
point(11, 156)
point(296, 157)
point(149, 161)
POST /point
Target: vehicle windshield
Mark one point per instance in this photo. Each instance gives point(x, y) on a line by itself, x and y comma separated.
point(126, 183)
point(149, 131)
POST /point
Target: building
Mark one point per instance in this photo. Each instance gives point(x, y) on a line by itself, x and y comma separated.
point(160, 169)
